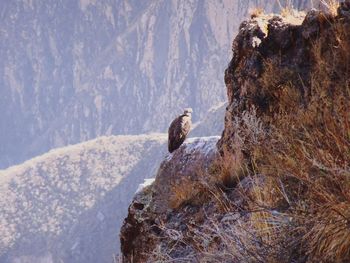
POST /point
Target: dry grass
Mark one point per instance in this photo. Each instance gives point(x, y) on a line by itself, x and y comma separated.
point(312, 145)
point(227, 170)
point(206, 183)
point(189, 192)
point(301, 212)
point(286, 8)
point(253, 237)
point(287, 11)
point(209, 184)
point(329, 236)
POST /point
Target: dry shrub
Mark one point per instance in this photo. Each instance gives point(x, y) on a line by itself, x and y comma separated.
point(188, 192)
point(231, 238)
point(227, 170)
point(312, 144)
point(329, 234)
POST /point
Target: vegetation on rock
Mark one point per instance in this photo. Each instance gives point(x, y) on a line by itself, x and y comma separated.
point(279, 191)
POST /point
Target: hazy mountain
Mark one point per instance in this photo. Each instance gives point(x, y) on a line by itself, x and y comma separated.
point(73, 70)
point(68, 205)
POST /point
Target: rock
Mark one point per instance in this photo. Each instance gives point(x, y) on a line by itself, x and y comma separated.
point(284, 55)
point(180, 177)
point(178, 181)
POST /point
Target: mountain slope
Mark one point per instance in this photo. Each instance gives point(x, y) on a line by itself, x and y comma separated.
point(69, 203)
point(212, 124)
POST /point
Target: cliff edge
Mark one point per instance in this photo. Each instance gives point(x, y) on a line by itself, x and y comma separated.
point(275, 186)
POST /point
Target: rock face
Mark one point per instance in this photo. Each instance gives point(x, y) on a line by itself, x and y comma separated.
point(67, 205)
point(262, 43)
point(275, 50)
point(177, 182)
point(183, 215)
point(220, 209)
point(75, 70)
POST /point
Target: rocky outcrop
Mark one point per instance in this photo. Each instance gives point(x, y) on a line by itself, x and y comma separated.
point(271, 52)
point(269, 190)
point(154, 211)
point(184, 215)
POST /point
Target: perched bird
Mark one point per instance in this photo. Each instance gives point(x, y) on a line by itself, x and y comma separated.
point(179, 129)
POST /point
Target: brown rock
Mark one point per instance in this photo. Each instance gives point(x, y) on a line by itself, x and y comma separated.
point(178, 182)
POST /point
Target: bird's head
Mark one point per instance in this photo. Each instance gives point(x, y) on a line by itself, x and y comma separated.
point(188, 111)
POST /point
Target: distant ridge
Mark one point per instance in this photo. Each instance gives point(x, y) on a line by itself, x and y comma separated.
point(68, 204)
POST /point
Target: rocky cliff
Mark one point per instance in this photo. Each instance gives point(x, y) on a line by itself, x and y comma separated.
point(275, 187)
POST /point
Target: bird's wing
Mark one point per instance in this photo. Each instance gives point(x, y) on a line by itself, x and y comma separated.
point(178, 131)
point(174, 127)
point(185, 126)
point(173, 133)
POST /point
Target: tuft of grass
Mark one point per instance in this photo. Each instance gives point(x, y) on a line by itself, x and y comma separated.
point(286, 9)
point(329, 234)
point(227, 170)
point(189, 192)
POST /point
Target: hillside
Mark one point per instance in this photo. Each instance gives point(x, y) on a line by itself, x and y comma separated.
point(68, 205)
point(275, 187)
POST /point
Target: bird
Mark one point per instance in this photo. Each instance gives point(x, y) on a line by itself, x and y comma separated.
point(178, 130)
